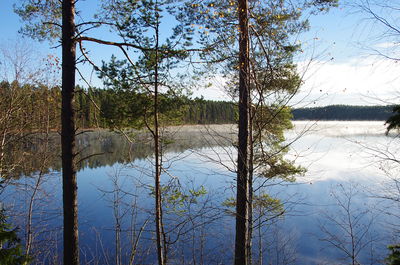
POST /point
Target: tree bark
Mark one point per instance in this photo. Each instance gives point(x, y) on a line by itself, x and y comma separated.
point(250, 183)
point(242, 186)
point(161, 248)
point(70, 202)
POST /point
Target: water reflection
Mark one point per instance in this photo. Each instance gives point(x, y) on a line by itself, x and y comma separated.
point(106, 148)
point(118, 170)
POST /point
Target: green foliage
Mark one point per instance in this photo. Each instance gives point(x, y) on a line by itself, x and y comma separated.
point(229, 202)
point(269, 146)
point(270, 149)
point(200, 111)
point(35, 106)
point(130, 88)
point(197, 193)
point(394, 257)
point(273, 74)
point(10, 248)
point(120, 108)
point(264, 206)
point(138, 23)
point(24, 109)
point(347, 112)
point(264, 201)
point(322, 5)
point(272, 25)
point(43, 18)
point(393, 121)
point(29, 106)
point(175, 199)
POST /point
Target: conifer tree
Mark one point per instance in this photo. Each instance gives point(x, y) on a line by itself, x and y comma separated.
point(252, 44)
point(55, 20)
point(10, 247)
point(140, 24)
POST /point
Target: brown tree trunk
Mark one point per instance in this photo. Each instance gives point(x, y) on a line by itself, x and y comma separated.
point(161, 248)
point(242, 186)
point(70, 202)
point(250, 183)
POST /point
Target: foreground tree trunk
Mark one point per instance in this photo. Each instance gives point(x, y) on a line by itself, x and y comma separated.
point(250, 183)
point(242, 186)
point(161, 247)
point(70, 203)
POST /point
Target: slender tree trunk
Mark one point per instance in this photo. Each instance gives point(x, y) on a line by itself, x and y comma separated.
point(160, 238)
point(242, 195)
point(70, 202)
point(260, 246)
point(5, 121)
point(117, 217)
point(250, 183)
point(44, 158)
point(2, 153)
point(29, 230)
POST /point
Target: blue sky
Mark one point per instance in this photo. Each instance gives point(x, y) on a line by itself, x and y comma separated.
point(343, 69)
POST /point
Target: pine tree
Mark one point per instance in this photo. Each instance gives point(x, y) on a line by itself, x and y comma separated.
point(10, 248)
point(139, 23)
point(250, 43)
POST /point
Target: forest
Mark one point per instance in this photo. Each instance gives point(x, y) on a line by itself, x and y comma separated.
point(107, 157)
point(345, 113)
point(109, 108)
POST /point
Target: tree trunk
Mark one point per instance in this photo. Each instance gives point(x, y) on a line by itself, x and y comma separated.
point(161, 248)
point(70, 203)
point(242, 186)
point(250, 183)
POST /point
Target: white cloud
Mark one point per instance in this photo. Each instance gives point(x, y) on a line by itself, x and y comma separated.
point(212, 89)
point(358, 81)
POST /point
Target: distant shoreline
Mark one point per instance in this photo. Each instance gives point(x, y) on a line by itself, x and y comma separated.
point(344, 113)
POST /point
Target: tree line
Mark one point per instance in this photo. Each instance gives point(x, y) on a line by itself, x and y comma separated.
point(119, 108)
point(110, 108)
point(106, 108)
point(345, 113)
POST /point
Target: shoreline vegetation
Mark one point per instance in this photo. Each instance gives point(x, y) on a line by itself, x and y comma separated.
point(112, 110)
point(344, 113)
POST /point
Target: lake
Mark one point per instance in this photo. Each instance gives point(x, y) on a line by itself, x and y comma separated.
point(334, 204)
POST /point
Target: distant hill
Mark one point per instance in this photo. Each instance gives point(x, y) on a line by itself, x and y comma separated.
point(344, 112)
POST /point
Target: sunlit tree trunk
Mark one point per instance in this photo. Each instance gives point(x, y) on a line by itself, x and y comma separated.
point(242, 195)
point(70, 202)
point(161, 248)
point(250, 183)
point(2, 147)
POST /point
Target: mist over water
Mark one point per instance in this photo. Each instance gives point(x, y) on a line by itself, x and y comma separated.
point(341, 158)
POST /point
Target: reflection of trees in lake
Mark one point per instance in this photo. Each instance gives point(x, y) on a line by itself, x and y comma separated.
point(105, 148)
point(211, 242)
point(349, 228)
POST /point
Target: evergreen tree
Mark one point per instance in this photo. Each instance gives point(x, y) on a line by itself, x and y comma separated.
point(394, 257)
point(10, 248)
point(149, 77)
point(253, 40)
point(51, 19)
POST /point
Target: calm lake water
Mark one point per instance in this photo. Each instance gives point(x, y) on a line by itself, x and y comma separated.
point(333, 203)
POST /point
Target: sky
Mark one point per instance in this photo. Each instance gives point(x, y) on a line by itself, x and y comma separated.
point(339, 63)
